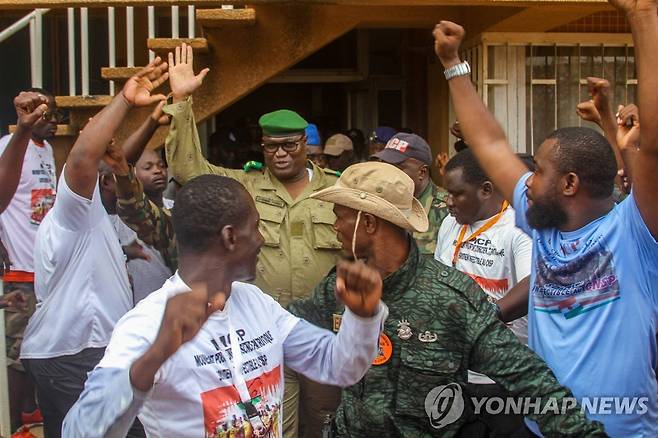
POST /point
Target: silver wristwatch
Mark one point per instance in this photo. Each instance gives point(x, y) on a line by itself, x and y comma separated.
point(461, 69)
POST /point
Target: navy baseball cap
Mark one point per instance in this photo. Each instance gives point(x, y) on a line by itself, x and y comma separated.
point(382, 134)
point(403, 146)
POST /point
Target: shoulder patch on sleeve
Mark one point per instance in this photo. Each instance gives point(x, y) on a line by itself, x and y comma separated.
point(331, 172)
point(252, 165)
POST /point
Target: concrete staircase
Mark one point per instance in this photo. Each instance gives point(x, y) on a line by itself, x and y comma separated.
point(244, 48)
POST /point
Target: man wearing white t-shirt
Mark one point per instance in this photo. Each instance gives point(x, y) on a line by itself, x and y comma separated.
point(150, 169)
point(205, 354)
point(480, 237)
point(27, 192)
point(81, 285)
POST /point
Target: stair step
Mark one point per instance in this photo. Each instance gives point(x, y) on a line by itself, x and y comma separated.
point(215, 18)
point(62, 130)
point(199, 45)
point(82, 101)
point(119, 73)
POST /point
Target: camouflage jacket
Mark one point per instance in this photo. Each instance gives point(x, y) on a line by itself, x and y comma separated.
point(453, 329)
point(433, 200)
point(151, 223)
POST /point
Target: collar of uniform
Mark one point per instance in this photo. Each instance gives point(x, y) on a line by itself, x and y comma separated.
point(427, 195)
point(401, 280)
point(432, 192)
point(272, 183)
point(320, 180)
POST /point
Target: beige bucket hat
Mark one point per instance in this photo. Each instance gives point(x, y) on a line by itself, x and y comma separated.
point(380, 189)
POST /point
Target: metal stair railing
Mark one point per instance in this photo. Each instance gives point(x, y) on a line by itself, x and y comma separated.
point(35, 22)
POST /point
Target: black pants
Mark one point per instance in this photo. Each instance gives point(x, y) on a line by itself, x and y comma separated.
point(59, 382)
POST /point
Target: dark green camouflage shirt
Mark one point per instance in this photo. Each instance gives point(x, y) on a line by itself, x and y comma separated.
point(433, 200)
point(151, 222)
point(390, 400)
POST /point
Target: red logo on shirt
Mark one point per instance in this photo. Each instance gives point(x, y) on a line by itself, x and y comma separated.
point(41, 202)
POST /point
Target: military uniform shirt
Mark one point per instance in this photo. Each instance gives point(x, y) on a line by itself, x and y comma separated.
point(300, 243)
point(433, 200)
point(390, 400)
point(151, 223)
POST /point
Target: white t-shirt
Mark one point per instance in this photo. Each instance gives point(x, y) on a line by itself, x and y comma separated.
point(497, 259)
point(147, 276)
point(34, 197)
point(81, 281)
point(194, 390)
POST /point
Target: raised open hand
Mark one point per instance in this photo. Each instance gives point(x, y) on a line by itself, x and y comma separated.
point(182, 79)
point(30, 107)
point(138, 88)
point(359, 287)
point(448, 37)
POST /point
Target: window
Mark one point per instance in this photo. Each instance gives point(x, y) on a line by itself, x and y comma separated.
point(533, 82)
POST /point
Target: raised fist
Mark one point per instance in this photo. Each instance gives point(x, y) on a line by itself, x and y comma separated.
point(628, 128)
point(359, 287)
point(116, 159)
point(599, 89)
point(588, 112)
point(184, 316)
point(448, 37)
point(30, 107)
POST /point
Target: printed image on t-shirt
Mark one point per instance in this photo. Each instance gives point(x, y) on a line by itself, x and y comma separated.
point(42, 201)
point(577, 287)
point(226, 416)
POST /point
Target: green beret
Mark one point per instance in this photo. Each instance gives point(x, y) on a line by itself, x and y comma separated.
point(281, 123)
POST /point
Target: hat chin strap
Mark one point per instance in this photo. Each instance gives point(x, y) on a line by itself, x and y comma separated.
point(356, 227)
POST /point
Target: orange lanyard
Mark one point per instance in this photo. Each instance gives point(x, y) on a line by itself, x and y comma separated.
point(490, 223)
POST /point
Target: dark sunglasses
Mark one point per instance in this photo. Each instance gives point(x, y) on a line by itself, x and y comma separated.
point(289, 147)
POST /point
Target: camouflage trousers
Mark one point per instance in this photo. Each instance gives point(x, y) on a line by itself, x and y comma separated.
point(16, 321)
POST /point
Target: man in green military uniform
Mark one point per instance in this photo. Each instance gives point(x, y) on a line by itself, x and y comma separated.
point(413, 156)
point(440, 323)
point(300, 244)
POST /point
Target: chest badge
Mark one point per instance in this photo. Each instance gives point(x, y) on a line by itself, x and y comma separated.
point(404, 330)
point(336, 320)
point(385, 350)
point(427, 337)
